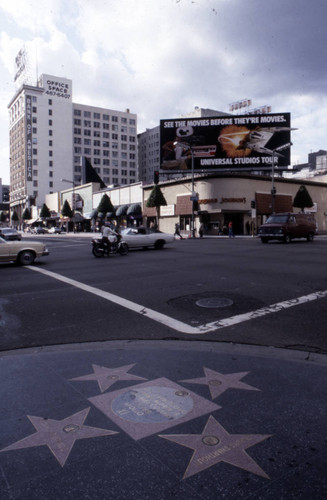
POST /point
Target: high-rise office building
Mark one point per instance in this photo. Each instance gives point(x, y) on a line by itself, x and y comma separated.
point(50, 134)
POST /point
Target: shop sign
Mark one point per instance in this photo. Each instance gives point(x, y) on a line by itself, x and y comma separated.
point(168, 210)
point(207, 201)
point(233, 200)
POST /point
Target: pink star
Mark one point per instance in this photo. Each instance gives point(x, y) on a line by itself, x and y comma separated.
point(215, 445)
point(219, 383)
point(106, 377)
point(59, 435)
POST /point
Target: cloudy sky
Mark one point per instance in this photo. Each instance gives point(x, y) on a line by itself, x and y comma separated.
point(161, 58)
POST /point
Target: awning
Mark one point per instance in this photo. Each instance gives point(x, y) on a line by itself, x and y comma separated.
point(134, 209)
point(77, 217)
point(121, 210)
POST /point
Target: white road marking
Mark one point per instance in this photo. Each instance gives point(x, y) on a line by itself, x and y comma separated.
point(174, 323)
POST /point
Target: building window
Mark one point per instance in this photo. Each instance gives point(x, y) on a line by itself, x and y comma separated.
point(50, 163)
point(77, 121)
point(34, 151)
point(51, 174)
point(105, 117)
point(96, 116)
point(50, 153)
point(114, 118)
point(106, 162)
point(105, 126)
point(50, 123)
point(87, 132)
point(97, 143)
point(87, 123)
point(50, 112)
point(50, 184)
point(34, 98)
point(96, 124)
point(50, 143)
point(77, 131)
point(87, 114)
point(87, 151)
point(34, 130)
point(77, 112)
point(87, 142)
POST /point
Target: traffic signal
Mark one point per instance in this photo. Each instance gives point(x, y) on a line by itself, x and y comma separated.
point(156, 176)
point(253, 204)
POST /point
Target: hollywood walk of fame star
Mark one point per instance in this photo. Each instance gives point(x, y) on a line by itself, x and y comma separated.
point(106, 377)
point(59, 435)
point(216, 445)
point(219, 383)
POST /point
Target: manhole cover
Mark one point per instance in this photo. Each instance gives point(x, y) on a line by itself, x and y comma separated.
point(214, 302)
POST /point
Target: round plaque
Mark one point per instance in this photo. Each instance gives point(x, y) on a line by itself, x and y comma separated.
point(152, 404)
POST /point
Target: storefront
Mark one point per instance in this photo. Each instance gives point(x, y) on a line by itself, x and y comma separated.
point(243, 199)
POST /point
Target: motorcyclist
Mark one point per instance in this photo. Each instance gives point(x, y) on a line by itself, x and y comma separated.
point(107, 231)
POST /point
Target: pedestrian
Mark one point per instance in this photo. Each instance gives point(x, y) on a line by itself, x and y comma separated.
point(230, 230)
point(247, 226)
point(201, 230)
point(178, 231)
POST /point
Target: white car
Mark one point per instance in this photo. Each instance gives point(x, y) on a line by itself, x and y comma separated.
point(22, 252)
point(141, 237)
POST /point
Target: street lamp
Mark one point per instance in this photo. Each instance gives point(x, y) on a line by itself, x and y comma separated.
point(188, 146)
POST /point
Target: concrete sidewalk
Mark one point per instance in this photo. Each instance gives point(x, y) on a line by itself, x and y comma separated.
point(162, 420)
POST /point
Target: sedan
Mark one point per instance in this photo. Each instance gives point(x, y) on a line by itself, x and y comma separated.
point(56, 230)
point(145, 237)
point(10, 234)
point(22, 252)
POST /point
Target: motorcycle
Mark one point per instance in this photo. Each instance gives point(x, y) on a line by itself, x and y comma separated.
point(117, 245)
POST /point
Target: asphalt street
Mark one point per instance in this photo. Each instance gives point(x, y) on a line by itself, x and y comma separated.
point(194, 372)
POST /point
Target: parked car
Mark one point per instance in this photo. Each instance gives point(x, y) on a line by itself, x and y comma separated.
point(22, 252)
point(56, 230)
point(145, 237)
point(287, 226)
point(10, 234)
point(40, 230)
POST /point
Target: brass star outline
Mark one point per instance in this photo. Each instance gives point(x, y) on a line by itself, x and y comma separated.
point(106, 377)
point(216, 445)
point(219, 382)
point(59, 435)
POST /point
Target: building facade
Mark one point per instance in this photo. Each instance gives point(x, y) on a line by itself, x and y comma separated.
point(49, 136)
point(243, 199)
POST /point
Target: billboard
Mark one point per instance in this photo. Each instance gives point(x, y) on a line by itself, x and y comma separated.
point(225, 142)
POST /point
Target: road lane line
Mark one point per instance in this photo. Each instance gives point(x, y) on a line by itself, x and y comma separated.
point(174, 323)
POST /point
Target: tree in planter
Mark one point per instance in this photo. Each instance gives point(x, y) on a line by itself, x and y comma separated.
point(27, 214)
point(157, 200)
point(105, 206)
point(302, 199)
point(45, 212)
point(14, 218)
point(66, 211)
